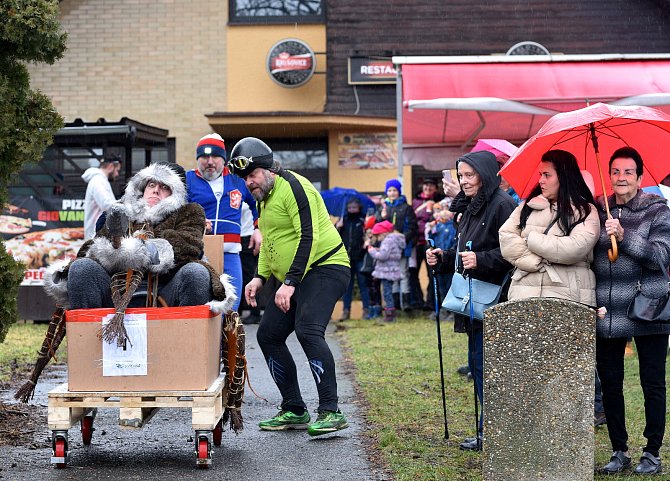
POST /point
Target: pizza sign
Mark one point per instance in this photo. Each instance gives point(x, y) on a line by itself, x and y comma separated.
point(291, 63)
point(39, 232)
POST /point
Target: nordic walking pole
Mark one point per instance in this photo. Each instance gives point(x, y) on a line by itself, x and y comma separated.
point(471, 346)
point(439, 342)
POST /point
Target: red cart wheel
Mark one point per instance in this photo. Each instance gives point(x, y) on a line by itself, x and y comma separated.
point(59, 451)
point(217, 433)
point(203, 453)
point(87, 430)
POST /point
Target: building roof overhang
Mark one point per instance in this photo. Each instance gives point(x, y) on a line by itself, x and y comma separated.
point(450, 102)
point(293, 124)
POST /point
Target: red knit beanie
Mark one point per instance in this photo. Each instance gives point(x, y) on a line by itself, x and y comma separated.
point(382, 227)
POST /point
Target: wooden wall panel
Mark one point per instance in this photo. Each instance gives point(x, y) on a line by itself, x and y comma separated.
point(460, 27)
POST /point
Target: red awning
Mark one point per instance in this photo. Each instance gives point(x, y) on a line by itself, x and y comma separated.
point(452, 101)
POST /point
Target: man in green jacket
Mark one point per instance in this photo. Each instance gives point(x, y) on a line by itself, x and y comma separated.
point(303, 250)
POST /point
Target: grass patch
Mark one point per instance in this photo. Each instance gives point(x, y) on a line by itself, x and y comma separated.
point(19, 351)
point(397, 369)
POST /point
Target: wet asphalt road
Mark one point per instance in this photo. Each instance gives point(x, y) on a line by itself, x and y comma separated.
point(164, 448)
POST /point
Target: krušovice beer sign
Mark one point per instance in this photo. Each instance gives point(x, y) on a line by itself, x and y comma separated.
point(291, 62)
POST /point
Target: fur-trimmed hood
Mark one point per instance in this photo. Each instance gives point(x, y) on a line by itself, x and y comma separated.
point(134, 203)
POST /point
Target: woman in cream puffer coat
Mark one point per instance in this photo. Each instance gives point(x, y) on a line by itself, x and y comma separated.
point(550, 238)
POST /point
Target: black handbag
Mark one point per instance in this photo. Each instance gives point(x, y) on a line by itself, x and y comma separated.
point(649, 309)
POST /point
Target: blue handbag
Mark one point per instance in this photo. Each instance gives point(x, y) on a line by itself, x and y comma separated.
point(484, 294)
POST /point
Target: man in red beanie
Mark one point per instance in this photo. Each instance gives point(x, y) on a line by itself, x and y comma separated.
point(221, 194)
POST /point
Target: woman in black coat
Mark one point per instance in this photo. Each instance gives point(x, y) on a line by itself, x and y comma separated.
point(481, 208)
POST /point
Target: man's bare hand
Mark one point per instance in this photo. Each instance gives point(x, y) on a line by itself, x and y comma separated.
point(251, 289)
point(283, 297)
point(256, 241)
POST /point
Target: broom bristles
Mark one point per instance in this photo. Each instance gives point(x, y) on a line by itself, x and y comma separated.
point(52, 339)
point(115, 331)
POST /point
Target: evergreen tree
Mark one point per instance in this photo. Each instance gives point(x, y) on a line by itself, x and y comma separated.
point(29, 32)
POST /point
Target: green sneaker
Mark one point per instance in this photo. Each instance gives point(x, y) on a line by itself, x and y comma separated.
point(285, 420)
point(327, 422)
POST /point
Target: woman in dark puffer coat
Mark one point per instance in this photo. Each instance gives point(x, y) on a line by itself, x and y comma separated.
point(641, 225)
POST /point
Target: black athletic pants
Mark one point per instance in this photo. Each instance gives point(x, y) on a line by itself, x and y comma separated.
point(311, 307)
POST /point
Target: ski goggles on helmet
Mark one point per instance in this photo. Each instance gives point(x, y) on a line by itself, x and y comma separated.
point(241, 163)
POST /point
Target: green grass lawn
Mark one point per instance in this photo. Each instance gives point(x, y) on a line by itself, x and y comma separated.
point(19, 351)
point(397, 368)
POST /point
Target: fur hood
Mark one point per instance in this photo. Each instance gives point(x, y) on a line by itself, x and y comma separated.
point(136, 207)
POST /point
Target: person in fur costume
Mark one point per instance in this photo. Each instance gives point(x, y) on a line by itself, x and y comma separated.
point(163, 237)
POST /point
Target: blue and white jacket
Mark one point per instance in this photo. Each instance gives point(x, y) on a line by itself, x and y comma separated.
point(222, 200)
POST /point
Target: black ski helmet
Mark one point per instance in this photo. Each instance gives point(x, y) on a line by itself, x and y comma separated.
point(248, 154)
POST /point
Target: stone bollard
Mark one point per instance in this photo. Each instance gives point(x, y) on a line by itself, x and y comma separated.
point(539, 365)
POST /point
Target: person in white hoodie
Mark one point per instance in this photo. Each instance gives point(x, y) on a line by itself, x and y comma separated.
point(99, 196)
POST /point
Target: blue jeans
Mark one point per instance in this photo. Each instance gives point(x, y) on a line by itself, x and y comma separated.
point(362, 286)
point(476, 365)
point(387, 293)
point(232, 265)
point(444, 283)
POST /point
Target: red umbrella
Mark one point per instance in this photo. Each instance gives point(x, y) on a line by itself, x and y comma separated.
point(586, 133)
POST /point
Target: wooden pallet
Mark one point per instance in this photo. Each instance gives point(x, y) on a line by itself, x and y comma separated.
point(66, 408)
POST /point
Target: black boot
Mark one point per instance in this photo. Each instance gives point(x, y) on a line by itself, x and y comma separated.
point(406, 306)
point(472, 444)
point(389, 315)
point(396, 300)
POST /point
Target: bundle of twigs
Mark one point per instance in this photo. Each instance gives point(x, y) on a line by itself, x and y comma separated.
point(54, 336)
point(234, 363)
point(123, 286)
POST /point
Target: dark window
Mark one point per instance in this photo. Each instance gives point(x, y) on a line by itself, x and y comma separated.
point(307, 157)
point(276, 11)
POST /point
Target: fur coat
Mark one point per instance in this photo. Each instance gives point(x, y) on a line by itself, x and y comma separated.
point(160, 239)
point(550, 264)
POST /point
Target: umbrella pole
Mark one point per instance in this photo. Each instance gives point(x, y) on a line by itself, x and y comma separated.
point(613, 253)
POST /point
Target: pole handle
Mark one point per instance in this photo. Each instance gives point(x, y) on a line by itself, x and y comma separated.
point(613, 252)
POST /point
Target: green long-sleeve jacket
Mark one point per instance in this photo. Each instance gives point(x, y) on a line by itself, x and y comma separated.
point(297, 230)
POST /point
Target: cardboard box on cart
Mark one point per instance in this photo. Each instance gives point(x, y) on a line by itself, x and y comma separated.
point(182, 350)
